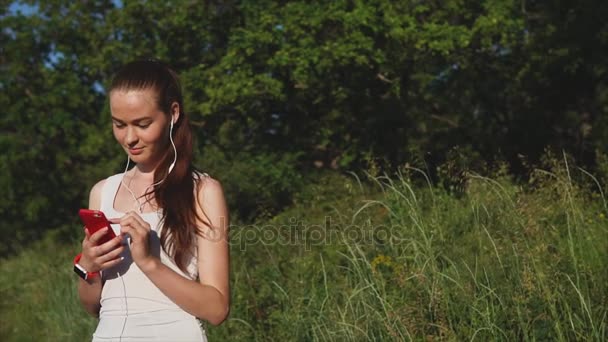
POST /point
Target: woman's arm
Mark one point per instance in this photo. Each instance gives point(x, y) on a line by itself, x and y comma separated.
point(94, 258)
point(208, 298)
point(89, 291)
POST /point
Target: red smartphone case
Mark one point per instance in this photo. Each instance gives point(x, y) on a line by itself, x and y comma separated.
point(95, 220)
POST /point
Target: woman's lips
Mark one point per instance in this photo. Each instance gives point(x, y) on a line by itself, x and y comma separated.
point(135, 151)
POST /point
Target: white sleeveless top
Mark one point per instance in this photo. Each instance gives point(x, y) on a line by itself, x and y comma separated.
point(132, 307)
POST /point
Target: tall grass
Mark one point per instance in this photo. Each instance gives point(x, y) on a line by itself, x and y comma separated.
point(396, 260)
point(38, 300)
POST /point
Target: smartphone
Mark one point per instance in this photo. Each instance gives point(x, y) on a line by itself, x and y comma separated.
point(95, 220)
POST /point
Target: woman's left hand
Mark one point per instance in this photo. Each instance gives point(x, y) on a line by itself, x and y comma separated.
point(139, 231)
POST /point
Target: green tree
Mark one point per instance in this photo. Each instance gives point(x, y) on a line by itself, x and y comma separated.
point(277, 88)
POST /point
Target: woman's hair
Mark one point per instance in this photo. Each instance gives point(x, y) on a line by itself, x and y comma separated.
point(176, 193)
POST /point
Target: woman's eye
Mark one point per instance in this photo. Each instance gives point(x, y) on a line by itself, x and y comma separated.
point(119, 125)
point(144, 125)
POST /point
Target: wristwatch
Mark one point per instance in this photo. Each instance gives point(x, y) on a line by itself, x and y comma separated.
point(82, 273)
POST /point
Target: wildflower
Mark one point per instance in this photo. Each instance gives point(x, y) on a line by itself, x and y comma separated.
point(381, 260)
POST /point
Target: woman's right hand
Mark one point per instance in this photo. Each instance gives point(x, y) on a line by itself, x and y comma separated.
point(97, 258)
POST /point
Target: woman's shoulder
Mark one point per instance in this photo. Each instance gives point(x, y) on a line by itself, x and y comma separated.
point(99, 185)
point(205, 182)
point(211, 203)
point(208, 187)
point(97, 190)
point(95, 194)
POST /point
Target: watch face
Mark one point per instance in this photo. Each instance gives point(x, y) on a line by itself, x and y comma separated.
point(81, 273)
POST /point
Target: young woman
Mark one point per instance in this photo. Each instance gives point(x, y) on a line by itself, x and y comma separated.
point(169, 263)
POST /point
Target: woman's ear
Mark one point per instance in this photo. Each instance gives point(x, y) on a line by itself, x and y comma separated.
point(175, 112)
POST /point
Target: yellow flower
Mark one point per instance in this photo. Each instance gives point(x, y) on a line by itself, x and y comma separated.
point(381, 260)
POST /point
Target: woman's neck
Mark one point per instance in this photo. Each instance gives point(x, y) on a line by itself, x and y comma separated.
point(143, 175)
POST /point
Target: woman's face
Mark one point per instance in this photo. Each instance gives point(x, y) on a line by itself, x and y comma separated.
point(139, 126)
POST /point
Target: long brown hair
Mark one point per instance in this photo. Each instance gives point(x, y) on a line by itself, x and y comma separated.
point(175, 194)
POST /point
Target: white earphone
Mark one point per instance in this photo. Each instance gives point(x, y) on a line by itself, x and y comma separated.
point(174, 149)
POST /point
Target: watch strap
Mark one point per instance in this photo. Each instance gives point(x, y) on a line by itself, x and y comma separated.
point(81, 271)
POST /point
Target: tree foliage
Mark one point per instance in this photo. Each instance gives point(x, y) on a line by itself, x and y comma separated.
point(275, 88)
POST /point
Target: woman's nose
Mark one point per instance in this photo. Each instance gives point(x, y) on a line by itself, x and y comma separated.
point(131, 137)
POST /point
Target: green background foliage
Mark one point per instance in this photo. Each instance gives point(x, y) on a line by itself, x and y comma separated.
point(297, 84)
